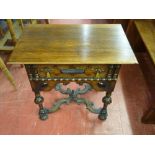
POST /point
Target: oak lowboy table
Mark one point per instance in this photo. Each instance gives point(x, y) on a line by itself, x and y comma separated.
point(91, 55)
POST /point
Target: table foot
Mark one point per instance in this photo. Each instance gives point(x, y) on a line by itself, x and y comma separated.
point(103, 114)
point(43, 114)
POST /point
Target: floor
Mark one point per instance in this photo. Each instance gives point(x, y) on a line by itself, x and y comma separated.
point(131, 98)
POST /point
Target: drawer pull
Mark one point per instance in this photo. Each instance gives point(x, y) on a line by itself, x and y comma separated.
point(72, 71)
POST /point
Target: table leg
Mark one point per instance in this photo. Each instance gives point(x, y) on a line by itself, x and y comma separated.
point(106, 100)
point(43, 112)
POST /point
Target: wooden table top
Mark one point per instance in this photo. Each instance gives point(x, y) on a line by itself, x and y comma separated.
point(73, 44)
point(146, 29)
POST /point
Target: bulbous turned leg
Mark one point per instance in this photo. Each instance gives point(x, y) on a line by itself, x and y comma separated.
point(106, 100)
point(43, 112)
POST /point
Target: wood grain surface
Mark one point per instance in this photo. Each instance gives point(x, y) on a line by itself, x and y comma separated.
point(73, 44)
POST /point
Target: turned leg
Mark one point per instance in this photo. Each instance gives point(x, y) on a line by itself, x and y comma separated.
point(11, 30)
point(43, 112)
point(106, 100)
point(7, 73)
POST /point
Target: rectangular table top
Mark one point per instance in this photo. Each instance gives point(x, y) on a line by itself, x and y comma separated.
point(73, 44)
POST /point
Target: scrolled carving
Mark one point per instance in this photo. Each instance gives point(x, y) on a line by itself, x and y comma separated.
point(73, 96)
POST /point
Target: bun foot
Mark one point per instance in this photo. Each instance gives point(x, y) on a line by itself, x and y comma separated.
point(103, 115)
point(43, 113)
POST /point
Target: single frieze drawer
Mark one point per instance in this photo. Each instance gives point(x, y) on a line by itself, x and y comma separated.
point(71, 71)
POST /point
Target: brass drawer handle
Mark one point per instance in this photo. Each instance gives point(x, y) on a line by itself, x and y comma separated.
point(72, 71)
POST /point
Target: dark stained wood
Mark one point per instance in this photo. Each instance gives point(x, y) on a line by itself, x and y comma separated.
point(73, 44)
point(146, 29)
point(149, 116)
point(134, 37)
point(123, 22)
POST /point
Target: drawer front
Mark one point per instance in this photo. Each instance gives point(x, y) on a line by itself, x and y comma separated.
point(53, 74)
point(70, 71)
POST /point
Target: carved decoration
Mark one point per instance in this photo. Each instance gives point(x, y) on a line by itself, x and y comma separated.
point(73, 96)
point(47, 77)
